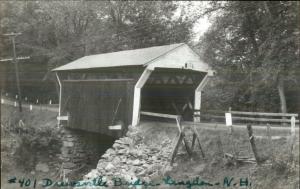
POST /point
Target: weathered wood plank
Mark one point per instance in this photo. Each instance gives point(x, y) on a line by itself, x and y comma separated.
point(263, 119)
point(252, 142)
point(264, 114)
point(159, 115)
point(198, 140)
point(115, 127)
point(62, 118)
point(175, 149)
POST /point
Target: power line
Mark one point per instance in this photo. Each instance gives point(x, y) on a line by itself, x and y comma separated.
point(170, 38)
point(15, 59)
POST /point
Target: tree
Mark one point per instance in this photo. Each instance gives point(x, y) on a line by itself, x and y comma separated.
point(255, 45)
point(56, 33)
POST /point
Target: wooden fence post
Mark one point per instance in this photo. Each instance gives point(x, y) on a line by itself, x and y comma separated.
point(293, 125)
point(293, 136)
point(270, 141)
point(252, 142)
point(220, 146)
point(175, 149)
point(228, 119)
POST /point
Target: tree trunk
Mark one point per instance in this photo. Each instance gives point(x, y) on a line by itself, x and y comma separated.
point(280, 87)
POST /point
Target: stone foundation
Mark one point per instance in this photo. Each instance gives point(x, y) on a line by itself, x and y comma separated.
point(137, 155)
point(80, 150)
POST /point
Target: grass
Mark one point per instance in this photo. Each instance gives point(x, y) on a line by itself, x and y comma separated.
point(279, 172)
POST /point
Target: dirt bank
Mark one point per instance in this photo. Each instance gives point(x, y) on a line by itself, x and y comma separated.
point(35, 148)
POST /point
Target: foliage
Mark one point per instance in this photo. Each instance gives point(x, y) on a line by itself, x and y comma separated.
point(254, 46)
point(58, 32)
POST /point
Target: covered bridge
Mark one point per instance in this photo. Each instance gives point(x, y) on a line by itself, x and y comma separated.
point(101, 90)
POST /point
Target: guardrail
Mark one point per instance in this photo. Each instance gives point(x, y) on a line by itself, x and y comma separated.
point(181, 137)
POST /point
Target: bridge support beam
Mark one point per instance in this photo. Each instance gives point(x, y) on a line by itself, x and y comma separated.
point(137, 96)
point(198, 92)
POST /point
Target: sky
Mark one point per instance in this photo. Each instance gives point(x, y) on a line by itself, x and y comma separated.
point(203, 23)
point(200, 27)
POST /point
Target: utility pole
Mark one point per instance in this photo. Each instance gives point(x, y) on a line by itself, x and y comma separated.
point(15, 61)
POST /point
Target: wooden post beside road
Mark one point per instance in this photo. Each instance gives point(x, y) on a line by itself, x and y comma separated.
point(293, 136)
point(252, 142)
point(17, 71)
point(15, 59)
point(270, 142)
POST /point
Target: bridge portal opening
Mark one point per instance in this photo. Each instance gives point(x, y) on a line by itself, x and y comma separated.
point(171, 91)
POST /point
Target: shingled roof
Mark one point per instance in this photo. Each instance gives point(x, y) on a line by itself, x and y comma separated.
point(122, 58)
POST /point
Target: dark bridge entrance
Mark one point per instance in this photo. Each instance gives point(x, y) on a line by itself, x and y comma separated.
point(171, 91)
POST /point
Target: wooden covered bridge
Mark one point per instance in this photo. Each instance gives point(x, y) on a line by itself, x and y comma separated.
point(101, 90)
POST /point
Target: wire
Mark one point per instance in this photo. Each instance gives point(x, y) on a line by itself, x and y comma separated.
point(172, 38)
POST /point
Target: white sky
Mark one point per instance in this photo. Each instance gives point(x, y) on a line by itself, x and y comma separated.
point(203, 23)
point(200, 27)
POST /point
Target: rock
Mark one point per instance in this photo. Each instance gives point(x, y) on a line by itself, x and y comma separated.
point(136, 162)
point(131, 128)
point(142, 173)
point(68, 144)
point(109, 167)
point(43, 167)
point(123, 160)
point(93, 174)
point(65, 150)
point(69, 139)
point(116, 160)
point(122, 151)
point(133, 152)
point(101, 165)
point(154, 158)
point(110, 151)
point(117, 146)
point(146, 165)
point(130, 176)
point(126, 140)
point(144, 156)
point(119, 142)
point(105, 156)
